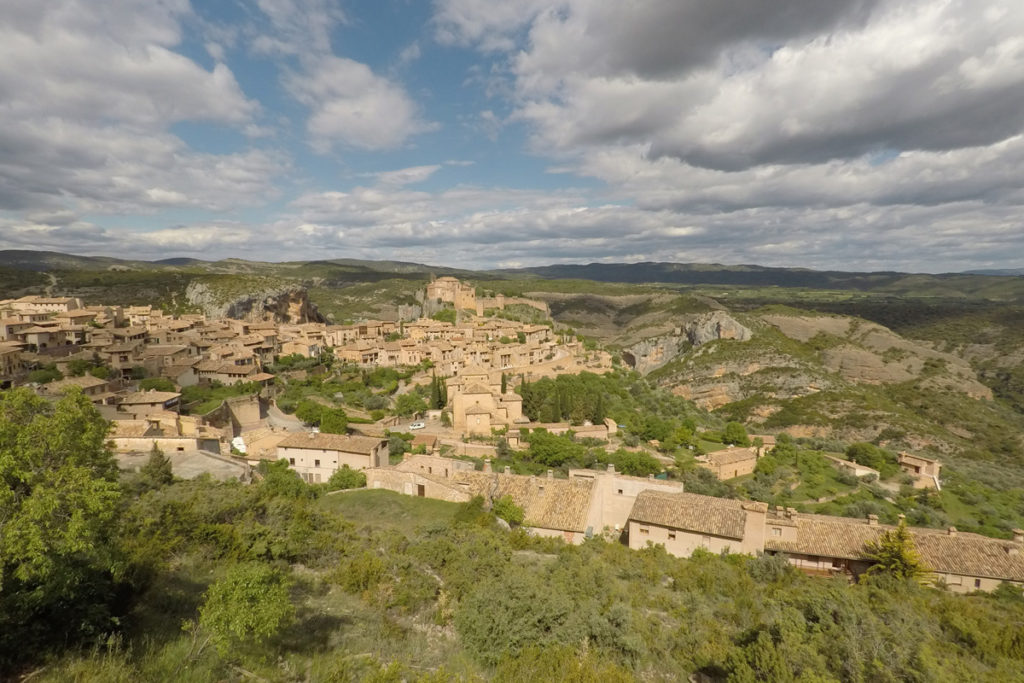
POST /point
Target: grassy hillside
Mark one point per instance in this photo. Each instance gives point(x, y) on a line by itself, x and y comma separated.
point(440, 594)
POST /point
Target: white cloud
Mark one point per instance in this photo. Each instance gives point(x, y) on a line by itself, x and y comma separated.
point(90, 93)
point(407, 176)
point(353, 106)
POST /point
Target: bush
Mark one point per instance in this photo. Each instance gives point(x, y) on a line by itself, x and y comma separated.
point(505, 508)
point(346, 478)
point(157, 384)
point(250, 604)
point(45, 375)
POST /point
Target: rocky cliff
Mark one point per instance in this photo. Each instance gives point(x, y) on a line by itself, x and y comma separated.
point(258, 301)
point(650, 354)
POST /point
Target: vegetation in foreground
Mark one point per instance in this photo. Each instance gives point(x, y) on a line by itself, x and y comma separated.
point(148, 580)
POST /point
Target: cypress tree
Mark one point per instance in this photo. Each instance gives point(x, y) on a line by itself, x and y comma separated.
point(435, 393)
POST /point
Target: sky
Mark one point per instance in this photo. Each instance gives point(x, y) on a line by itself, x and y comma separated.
point(829, 134)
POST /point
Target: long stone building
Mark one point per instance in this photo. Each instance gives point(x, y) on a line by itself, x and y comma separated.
point(817, 544)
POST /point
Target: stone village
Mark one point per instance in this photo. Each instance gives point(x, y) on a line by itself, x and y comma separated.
point(473, 353)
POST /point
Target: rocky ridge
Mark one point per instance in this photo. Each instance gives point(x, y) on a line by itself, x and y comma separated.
point(282, 303)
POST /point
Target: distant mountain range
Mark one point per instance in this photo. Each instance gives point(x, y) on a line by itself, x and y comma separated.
point(998, 272)
point(989, 284)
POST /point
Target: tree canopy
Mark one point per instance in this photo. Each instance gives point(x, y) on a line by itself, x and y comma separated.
point(59, 498)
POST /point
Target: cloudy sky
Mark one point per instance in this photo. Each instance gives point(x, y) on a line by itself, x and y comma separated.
point(849, 134)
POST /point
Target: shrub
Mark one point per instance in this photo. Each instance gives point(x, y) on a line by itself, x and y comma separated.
point(250, 604)
point(505, 508)
point(346, 478)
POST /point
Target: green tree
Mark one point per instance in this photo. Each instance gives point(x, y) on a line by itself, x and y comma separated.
point(45, 375)
point(100, 372)
point(447, 315)
point(157, 384)
point(894, 553)
point(554, 451)
point(59, 497)
point(505, 508)
point(408, 404)
point(346, 478)
point(309, 412)
point(333, 421)
point(736, 434)
point(504, 383)
point(250, 604)
point(279, 480)
point(157, 471)
point(435, 393)
point(78, 367)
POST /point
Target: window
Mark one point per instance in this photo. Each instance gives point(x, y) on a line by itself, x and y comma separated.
point(316, 463)
point(291, 461)
point(644, 531)
point(671, 535)
point(977, 583)
point(776, 531)
point(620, 492)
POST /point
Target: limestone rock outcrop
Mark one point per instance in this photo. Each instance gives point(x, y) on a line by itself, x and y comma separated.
point(286, 304)
point(650, 354)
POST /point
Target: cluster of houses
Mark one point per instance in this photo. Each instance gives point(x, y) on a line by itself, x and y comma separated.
point(191, 349)
point(136, 341)
point(732, 462)
point(647, 511)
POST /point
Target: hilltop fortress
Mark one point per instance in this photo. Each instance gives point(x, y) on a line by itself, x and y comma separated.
point(462, 296)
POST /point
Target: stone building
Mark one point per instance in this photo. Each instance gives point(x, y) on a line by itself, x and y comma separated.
point(925, 471)
point(818, 544)
point(317, 456)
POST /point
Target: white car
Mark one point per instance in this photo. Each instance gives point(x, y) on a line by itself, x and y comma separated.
point(417, 425)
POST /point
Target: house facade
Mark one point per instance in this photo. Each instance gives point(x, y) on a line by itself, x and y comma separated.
point(317, 456)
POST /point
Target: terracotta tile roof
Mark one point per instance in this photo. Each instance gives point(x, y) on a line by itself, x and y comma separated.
point(731, 455)
point(961, 553)
point(163, 349)
point(363, 445)
point(693, 512)
point(476, 389)
point(150, 397)
point(560, 504)
point(477, 410)
point(85, 382)
point(129, 428)
point(428, 440)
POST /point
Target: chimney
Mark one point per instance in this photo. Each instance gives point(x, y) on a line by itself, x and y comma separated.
point(1018, 535)
point(951, 531)
point(872, 520)
point(790, 512)
point(508, 470)
point(487, 465)
point(611, 468)
point(551, 474)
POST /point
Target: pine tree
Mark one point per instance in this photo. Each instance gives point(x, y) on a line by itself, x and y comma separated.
point(504, 383)
point(157, 470)
point(894, 554)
